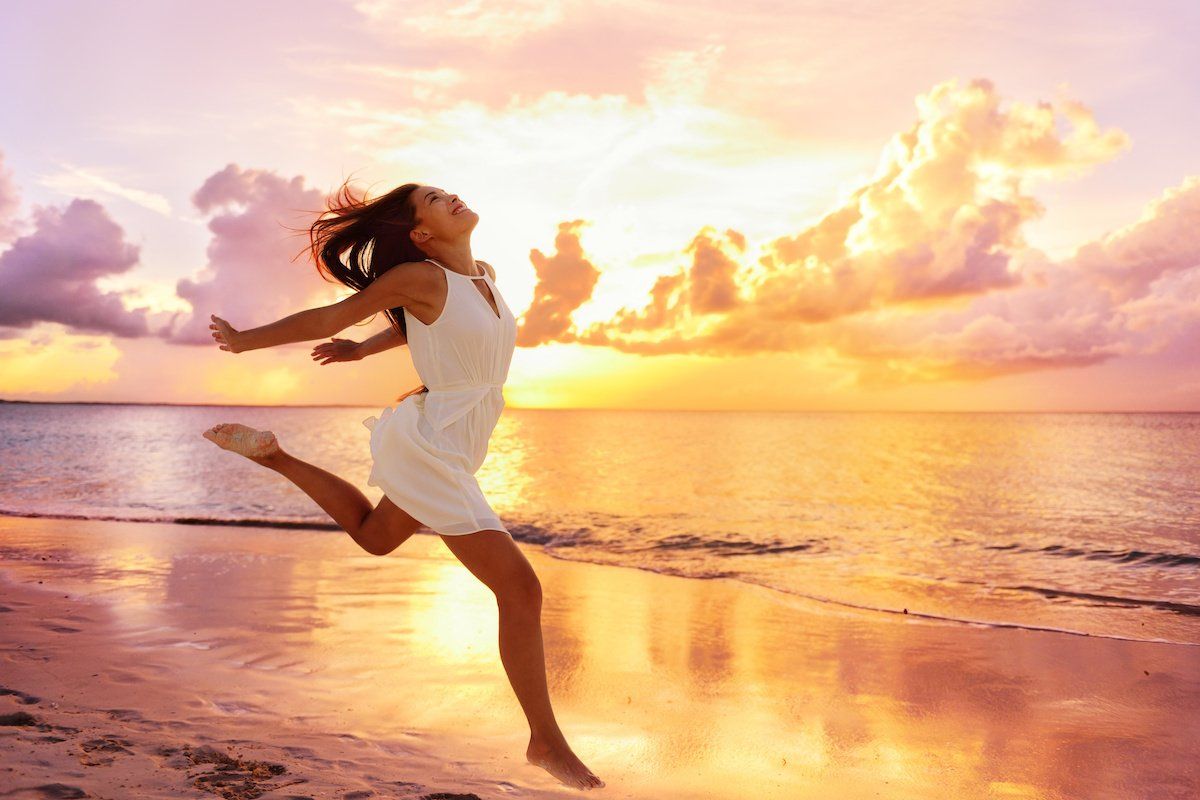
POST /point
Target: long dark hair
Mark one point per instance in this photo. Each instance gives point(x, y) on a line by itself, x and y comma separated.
point(371, 234)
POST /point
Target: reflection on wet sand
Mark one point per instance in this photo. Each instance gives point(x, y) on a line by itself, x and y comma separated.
point(666, 686)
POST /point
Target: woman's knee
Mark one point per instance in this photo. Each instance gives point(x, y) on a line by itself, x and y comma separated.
point(494, 558)
point(518, 584)
point(522, 589)
point(385, 529)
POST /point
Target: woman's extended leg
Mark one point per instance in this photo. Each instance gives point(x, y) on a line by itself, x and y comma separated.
point(494, 558)
point(379, 530)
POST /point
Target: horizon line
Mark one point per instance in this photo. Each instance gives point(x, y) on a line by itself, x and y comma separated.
point(584, 408)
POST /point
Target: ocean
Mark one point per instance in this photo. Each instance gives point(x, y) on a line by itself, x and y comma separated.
point(1087, 523)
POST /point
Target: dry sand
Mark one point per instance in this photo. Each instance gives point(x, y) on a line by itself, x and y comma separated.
point(165, 661)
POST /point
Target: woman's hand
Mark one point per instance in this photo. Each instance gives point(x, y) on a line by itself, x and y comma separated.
point(225, 335)
point(336, 350)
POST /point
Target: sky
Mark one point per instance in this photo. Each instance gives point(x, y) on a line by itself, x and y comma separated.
point(798, 205)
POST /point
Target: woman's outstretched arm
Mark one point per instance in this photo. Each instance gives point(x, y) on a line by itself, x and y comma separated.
point(350, 350)
point(386, 339)
point(303, 326)
point(390, 290)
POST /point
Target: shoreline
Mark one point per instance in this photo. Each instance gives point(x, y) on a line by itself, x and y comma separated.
point(382, 674)
point(829, 601)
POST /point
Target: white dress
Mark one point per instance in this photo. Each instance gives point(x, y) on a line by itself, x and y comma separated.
point(427, 448)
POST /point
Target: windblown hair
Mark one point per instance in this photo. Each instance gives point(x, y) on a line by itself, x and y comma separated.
point(371, 235)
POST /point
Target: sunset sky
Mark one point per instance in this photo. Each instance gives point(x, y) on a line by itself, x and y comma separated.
point(783, 205)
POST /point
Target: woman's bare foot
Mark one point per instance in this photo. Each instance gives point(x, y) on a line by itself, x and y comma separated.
point(562, 763)
point(254, 444)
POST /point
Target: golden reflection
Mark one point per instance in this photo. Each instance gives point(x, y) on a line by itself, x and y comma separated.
point(669, 686)
point(505, 476)
point(460, 622)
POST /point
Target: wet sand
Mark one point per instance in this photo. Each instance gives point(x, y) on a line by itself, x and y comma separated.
point(146, 660)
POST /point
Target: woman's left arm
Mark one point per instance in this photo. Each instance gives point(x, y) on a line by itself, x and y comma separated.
point(387, 291)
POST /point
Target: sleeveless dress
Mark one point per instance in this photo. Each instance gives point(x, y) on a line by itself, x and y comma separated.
point(427, 448)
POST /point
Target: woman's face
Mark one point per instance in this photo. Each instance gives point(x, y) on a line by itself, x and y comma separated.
point(441, 215)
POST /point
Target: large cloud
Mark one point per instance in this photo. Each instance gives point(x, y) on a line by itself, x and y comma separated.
point(923, 273)
point(1133, 291)
point(1165, 240)
point(50, 274)
point(251, 278)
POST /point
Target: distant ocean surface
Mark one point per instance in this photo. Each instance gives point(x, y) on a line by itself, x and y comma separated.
point(1087, 523)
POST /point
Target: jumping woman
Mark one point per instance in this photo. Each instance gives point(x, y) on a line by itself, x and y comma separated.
point(408, 254)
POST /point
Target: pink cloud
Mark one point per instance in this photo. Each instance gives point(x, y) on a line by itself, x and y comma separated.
point(1166, 239)
point(712, 283)
point(50, 274)
point(251, 278)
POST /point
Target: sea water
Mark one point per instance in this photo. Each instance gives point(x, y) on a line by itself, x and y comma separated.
point(1085, 523)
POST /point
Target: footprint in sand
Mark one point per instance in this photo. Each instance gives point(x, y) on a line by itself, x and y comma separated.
point(96, 751)
point(124, 714)
point(23, 719)
point(49, 791)
point(232, 777)
point(18, 719)
point(22, 697)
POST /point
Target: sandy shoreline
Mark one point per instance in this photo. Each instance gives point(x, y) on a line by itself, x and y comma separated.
point(189, 661)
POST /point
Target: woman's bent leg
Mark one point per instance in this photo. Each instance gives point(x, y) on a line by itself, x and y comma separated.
point(379, 530)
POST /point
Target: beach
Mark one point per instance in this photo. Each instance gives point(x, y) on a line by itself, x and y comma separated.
point(154, 660)
point(834, 366)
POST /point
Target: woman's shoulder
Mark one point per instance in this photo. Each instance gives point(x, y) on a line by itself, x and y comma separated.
point(406, 271)
point(407, 280)
point(491, 272)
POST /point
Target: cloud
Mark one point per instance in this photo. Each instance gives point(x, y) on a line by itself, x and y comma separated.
point(923, 274)
point(10, 202)
point(1165, 240)
point(565, 282)
point(1060, 320)
point(713, 286)
point(1133, 292)
point(251, 278)
point(707, 286)
point(942, 216)
point(50, 274)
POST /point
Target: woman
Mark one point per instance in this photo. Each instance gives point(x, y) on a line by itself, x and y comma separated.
point(408, 253)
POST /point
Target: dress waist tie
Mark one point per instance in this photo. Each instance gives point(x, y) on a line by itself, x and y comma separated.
point(446, 404)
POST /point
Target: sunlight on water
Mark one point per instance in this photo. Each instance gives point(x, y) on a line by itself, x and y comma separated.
point(1084, 522)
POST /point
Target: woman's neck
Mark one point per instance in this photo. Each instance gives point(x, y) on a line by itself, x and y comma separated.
point(455, 257)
